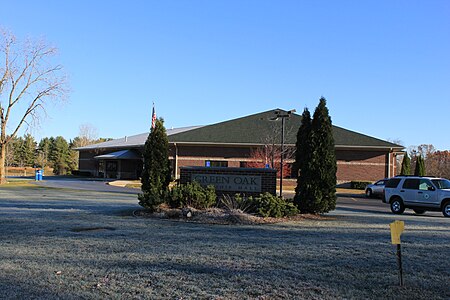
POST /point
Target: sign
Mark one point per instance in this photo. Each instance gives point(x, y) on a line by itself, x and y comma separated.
point(397, 228)
point(229, 183)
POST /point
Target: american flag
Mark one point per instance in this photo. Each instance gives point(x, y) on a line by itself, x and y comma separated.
point(153, 116)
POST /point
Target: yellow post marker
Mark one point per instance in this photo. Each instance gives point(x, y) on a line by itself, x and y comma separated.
point(397, 227)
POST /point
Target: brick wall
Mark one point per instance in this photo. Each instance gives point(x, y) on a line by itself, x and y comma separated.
point(268, 177)
point(350, 172)
point(355, 164)
point(361, 165)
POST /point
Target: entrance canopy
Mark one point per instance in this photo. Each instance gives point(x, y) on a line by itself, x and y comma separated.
point(122, 155)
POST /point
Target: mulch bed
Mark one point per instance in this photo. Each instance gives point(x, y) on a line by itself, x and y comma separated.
point(221, 216)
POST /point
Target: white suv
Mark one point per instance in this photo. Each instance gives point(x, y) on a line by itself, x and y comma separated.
point(418, 193)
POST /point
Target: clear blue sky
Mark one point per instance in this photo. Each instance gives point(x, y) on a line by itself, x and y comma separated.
point(384, 66)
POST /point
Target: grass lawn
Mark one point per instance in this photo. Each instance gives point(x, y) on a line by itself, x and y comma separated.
point(57, 243)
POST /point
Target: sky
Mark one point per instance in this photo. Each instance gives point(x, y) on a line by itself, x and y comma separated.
point(383, 66)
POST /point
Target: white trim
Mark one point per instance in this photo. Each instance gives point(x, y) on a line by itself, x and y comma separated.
point(176, 161)
point(389, 165)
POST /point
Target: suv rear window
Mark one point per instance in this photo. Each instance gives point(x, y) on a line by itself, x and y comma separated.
point(392, 183)
point(411, 184)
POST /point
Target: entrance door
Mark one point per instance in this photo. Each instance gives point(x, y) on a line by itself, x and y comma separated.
point(111, 168)
point(101, 169)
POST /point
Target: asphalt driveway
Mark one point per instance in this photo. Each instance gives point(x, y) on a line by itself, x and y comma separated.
point(84, 184)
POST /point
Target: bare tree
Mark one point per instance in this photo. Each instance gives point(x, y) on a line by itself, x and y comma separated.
point(28, 80)
point(87, 135)
point(270, 153)
point(423, 150)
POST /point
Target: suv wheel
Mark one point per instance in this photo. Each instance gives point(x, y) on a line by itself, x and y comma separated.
point(397, 206)
point(369, 193)
point(446, 209)
point(419, 211)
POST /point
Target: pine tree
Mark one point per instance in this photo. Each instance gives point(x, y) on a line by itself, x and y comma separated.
point(420, 167)
point(19, 152)
point(323, 159)
point(302, 162)
point(406, 165)
point(44, 152)
point(29, 150)
point(59, 155)
point(156, 175)
point(316, 188)
point(74, 155)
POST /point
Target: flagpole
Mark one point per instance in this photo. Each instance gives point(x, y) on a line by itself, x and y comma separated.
point(153, 116)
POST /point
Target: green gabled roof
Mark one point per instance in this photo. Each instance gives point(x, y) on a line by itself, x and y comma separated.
point(260, 129)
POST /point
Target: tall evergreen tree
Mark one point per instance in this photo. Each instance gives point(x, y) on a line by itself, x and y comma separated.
point(406, 165)
point(44, 152)
point(303, 153)
point(59, 155)
point(25, 150)
point(156, 175)
point(74, 154)
point(316, 188)
point(420, 166)
point(29, 150)
point(19, 152)
point(323, 160)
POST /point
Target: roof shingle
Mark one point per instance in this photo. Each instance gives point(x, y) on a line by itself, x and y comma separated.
point(259, 129)
point(256, 129)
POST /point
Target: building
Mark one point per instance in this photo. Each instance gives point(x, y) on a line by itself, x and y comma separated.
point(234, 143)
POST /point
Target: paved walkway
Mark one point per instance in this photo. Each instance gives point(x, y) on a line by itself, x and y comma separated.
point(84, 184)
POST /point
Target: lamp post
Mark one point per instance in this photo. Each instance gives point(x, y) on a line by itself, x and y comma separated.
point(283, 115)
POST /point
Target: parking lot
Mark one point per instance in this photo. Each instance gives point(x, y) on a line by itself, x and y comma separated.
point(72, 243)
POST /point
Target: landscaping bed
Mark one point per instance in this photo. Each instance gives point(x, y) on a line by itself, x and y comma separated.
point(221, 216)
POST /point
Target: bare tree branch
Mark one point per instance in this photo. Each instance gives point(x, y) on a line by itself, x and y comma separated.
point(28, 80)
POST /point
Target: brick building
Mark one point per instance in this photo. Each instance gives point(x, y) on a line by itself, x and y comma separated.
point(234, 143)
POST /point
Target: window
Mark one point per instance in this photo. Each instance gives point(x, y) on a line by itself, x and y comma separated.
point(392, 183)
point(411, 184)
point(441, 183)
point(216, 163)
point(111, 166)
point(425, 185)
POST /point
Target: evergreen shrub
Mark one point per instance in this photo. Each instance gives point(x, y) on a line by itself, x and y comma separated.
point(406, 165)
point(152, 198)
point(420, 167)
point(192, 194)
point(156, 174)
point(268, 205)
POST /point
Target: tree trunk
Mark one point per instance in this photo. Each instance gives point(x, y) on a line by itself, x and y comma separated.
point(2, 164)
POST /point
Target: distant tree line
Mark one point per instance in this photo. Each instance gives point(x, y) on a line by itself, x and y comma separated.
point(426, 160)
point(54, 152)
